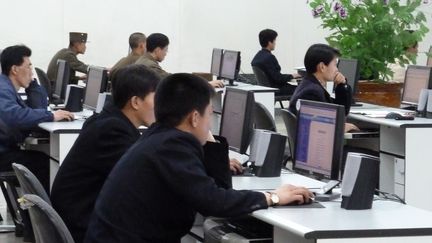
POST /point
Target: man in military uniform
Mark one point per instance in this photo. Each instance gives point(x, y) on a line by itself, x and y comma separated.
point(157, 48)
point(77, 45)
point(137, 43)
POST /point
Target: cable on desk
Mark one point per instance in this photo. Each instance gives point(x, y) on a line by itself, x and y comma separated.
point(390, 196)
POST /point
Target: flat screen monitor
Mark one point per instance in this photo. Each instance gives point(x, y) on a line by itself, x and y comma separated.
point(216, 62)
point(97, 79)
point(319, 139)
point(350, 69)
point(429, 59)
point(230, 65)
point(237, 118)
point(416, 79)
point(62, 79)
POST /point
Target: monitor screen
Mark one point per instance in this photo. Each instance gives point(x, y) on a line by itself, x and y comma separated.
point(62, 79)
point(216, 61)
point(96, 83)
point(429, 60)
point(416, 79)
point(237, 118)
point(350, 69)
point(230, 65)
point(319, 139)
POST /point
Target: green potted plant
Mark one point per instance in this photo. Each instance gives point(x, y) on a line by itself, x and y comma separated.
point(372, 31)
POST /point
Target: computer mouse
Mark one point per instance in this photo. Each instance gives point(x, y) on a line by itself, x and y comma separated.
point(296, 203)
point(393, 115)
point(66, 120)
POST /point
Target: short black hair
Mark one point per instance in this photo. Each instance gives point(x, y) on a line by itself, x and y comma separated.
point(135, 39)
point(179, 94)
point(133, 80)
point(266, 36)
point(156, 40)
point(319, 53)
point(13, 55)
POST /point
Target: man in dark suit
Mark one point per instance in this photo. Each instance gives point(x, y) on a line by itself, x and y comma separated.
point(156, 188)
point(102, 141)
point(268, 63)
point(321, 66)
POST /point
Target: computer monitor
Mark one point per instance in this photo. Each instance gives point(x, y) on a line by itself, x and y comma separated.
point(62, 80)
point(319, 139)
point(429, 59)
point(216, 62)
point(230, 65)
point(237, 118)
point(350, 69)
point(97, 79)
point(416, 79)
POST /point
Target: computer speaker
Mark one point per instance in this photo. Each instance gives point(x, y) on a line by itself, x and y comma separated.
point(74, 98)
point(422, 102)
point(429, 104)
point(104, 99)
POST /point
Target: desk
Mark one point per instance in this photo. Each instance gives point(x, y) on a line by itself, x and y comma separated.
point(405, 155)
point(386, 221)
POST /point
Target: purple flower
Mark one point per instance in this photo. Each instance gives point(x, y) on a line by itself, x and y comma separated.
point(342, 13)
point(317, 11)
point(385, 2)
point(337, 6)
point(425, 1)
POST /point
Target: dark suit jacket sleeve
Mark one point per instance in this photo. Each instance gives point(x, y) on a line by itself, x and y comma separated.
point(216, 162)
point(37, 97)
point(183, 171)
point(273, 70)
point(76, 64)
point(343, 96)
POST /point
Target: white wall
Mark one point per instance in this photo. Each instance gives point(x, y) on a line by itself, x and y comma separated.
point(193, 26)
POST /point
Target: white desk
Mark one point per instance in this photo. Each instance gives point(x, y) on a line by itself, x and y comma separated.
point(405, 154)
point(386, 221)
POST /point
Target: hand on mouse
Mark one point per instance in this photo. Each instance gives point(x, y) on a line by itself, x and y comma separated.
point(289, 193)
point(235, 166)
point(61, 114)
point(217, 83)
point(349, 127)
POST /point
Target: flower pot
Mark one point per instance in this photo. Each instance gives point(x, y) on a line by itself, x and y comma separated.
point(385, 94)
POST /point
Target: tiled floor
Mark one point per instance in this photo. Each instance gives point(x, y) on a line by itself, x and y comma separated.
point(10, 237)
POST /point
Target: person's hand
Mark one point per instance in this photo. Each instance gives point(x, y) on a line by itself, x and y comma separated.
point(61, 114)
point(339, 78)
point(349, 127)
point(217, 83)
point(289, 193)
point(235, 166)
point(296, 75)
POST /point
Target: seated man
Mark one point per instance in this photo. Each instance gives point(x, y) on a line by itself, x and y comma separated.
point(159, 184)
point(77, 45)
point(268, 63)
point(137, 44)
point(18, 119)
point(105, 137)
point(398, 68)
point(321, 66)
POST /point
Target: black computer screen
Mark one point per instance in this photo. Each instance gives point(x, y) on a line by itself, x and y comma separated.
point(216, 61)
point(237, 118)
point(230, 65)
point(350, 69)
point(96, 83)
point(319, 139)
point(62, 79)
point(416, 79)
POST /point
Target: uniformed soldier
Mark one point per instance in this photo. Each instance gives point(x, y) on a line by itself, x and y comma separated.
point(77, 45)
point(137, 44)
point(157, 49)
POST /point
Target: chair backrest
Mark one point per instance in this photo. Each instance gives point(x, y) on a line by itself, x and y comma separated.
point(44, 81)
point(261, 77)
point(290, 121)
point(47, 224)
point(29, 183)
point(262, 118)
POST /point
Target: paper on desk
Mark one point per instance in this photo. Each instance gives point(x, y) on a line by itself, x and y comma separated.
point(242, 158)
point(381, 113)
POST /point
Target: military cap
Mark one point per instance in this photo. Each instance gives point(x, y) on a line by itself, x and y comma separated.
point(77, 37)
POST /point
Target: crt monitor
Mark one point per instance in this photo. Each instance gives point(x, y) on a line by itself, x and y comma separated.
point(350, 69)
point(416, 79)
point(97, 79)
point(216, 62)
point(230, 65)
point(429, 59)
point(62, 80)
point(319, 139)
point(237, 118)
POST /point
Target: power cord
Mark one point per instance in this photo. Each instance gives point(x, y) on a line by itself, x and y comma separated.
point(390, 196)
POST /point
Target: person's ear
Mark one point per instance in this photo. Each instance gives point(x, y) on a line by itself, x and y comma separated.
point(195, 118)
point(134, 102)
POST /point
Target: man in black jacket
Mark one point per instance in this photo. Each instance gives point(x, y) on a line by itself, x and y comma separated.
point(156, 188)
point(105, 137)
point(268, 63)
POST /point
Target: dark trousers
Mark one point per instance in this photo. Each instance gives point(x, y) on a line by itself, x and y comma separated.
point(37, 162)
point(286, 89)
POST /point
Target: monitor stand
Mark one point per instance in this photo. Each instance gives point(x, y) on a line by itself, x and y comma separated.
point(231, 83)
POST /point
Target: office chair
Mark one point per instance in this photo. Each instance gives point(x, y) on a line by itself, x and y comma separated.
point(44, 81)
point(262, 118)
point(290, 121)
point(47, 224)
point(263, 80)
point(29, 182)
point(10, 195)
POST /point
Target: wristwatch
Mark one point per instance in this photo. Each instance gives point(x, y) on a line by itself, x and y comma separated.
point(274, 198)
